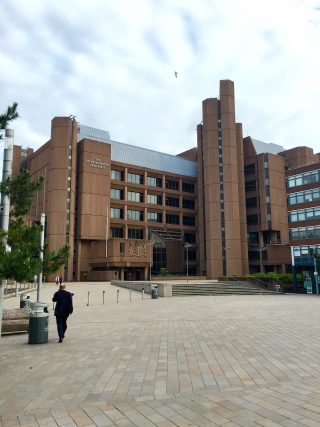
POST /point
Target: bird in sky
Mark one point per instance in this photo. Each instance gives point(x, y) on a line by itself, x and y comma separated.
point(176, 74)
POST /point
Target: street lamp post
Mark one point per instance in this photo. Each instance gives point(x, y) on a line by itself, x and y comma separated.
point(187, 246)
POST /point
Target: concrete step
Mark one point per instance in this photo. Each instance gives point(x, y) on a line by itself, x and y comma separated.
point(219, 288)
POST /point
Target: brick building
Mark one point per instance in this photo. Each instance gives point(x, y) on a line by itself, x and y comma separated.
point(126, 211)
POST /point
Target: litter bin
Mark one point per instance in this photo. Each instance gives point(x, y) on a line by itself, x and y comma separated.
point(38, 323)
point(24, 301)
point(154, 291)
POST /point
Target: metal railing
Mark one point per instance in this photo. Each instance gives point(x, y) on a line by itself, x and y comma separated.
point(271, 285)
point(12, 288)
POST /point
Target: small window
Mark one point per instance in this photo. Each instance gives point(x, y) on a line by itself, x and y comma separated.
point(172, 185)
point(250, 169)
point(121, 248)
point(154, 182)
point(116, 232)
point(172, 219)
point(251, 185)
point(135, 233)
point(116, 175)
point(172, 201)
point(188, 187)
point(116, 193)
point(189, 220)
point(135, 215)
point(135, 178)
point(252, 219)
point(116, 213)
point(188, 204)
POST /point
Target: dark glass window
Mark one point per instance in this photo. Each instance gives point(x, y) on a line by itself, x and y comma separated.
point(251, 185)
point(135, 233)
point(189, 188)
point(172, 185)
point(188, 204)
point(117, 232)
point(172, 219)
point(250, 169)
point(172, 201)
point(189, 220)
point(251, 202)
point(192, 254)
point(189, 238)
point(253, 237)
point(252, 219)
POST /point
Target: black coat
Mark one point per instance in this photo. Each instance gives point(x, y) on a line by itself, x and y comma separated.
point(64, 305)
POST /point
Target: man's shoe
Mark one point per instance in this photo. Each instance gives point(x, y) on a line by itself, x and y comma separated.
point(60, 339)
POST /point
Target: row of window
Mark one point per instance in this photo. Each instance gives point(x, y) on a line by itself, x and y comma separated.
point(305, 251)
point(304, 196)
point(303, 178)
point(153, 199)
point(302, 233)
point(152, 181)
point(136, 215)
point(138, 233)
point(304, 214)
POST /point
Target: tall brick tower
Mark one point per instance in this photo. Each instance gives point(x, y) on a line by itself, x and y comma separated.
point(222, 216)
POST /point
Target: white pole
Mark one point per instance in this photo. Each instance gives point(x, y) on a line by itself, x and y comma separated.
point(187, 246)
point(5, 201)
point(316, 274)
point(292, 255)
point(151, 256)
point(42, 222)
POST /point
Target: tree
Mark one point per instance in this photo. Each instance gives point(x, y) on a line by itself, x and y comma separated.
point(8, 116)
point(22, 262)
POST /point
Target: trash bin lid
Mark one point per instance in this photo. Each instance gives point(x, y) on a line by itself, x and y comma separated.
point(38, 306)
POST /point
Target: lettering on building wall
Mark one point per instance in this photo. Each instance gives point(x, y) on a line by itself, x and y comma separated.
point(137, 248)
point(97, 163)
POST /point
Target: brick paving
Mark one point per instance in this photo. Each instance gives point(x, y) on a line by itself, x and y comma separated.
point(181, 361)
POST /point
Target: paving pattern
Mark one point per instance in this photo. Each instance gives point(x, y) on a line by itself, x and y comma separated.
point(180, 361)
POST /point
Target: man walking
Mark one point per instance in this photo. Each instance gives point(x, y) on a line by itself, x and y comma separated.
point(63, 309)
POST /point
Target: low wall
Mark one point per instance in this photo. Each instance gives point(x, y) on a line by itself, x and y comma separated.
point(15, 320)
point(164, 289)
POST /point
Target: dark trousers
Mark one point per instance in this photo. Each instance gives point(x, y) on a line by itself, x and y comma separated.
point(61, 325)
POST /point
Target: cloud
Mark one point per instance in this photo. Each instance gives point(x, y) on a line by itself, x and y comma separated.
point(112, 65)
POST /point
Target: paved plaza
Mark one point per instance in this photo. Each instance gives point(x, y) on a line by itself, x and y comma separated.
point(180, 361)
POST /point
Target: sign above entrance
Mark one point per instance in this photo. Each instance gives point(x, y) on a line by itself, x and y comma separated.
point(97, 163)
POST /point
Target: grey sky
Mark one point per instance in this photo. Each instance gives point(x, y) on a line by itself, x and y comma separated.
point(111, 64)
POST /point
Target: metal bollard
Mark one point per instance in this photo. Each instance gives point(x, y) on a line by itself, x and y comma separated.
point(142, 293)
point(118, 295)
point(130, 294)
point(103, 292)
point(88, 299)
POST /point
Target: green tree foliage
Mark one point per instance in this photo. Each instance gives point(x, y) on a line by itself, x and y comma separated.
point(8, 116)
point(22, 262)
